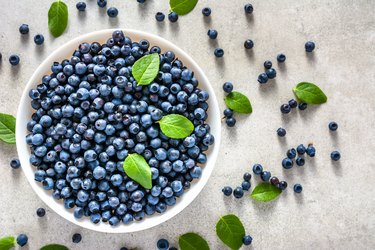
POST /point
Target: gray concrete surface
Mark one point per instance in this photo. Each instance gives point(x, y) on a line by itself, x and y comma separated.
point(336, 208)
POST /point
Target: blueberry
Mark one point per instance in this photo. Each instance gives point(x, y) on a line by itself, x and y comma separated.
point(112, 12)
point(173, 17)
point(24, 29)
point(291, 153)
point(281, 132)
point(206, 11)
point(301, 149)
point(159, 16)
point(267, 64)
point(102, 3)
point(76, 238)
point(335, 155)
point(78, 212)
point(257, 169)
point(246, 185)
point(162, 244)
point(302, 106)
point(292, 103)
point(282, 185)
point(281, 58)
point(265, 176)
point(38, 39)
point(262, 78)
point(228, 113)
point(274, 181)
point(238, 192)
point(14, 60)
point(332, 126)
point(40, 212)
point(271, 73)
point(81, 6)
point(227, 191)
point(309, 46)
point(22, 239)
point(310, 150)
point(285, 108)
point(287, 163)
point(246, 240)
point(228, 87)
point(212, 33)
point(300, 161)
point(15, 163)
point(297, 188)
point(249, 8)
point(219, 52)
point(248, 44)
point(247, 176)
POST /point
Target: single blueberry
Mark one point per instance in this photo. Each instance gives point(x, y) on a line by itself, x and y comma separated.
point(332, 126)
point(291, 153)
point(271, 73)
point(15, 163)
point(282, 185)
point(162, 244)
point(335, 155)
point(267, 64)
point(24, 29)
point(76, 238)
point(302, 106)
point(246, 185)
point(238, 192)
point(230, 121)
point(248, 44)
point(159, 16)
point(281, 132)
point(206, 11)
point(22, 239)
point(262, 78)
point(281, 58)
point(301, 149)
point(274, 181)
point(248, 8)
point(287, 163)
point(173, 17)
point(14, 60)
point(228, 87)
point(310, 150)
point(257, 169)
point(38, 39)
point(40, 212)
point(309, 46)
point(300, 161)
point(292, 103)
point(285, 108)
point(81, 6)
point(297, 188)
point(246, 240)
point(265, 176)
point(112, 12)
point(212, 33)
point(227, 190)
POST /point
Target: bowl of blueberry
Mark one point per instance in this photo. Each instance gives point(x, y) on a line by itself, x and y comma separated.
point(118, 130)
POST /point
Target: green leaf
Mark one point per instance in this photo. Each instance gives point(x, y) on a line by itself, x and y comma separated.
point(265, 192)
point(192, 241)
point(57, 18)
point(309, 93)
point(176, 126)
point(238, 102)
point(146, 68)
point(230, 231)
point(54, 247)
point(7, 128)
point(136, 167)
point(182, 7)
point(7, 242)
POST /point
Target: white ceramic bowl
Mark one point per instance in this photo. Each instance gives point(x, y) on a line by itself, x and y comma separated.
point(25, 111)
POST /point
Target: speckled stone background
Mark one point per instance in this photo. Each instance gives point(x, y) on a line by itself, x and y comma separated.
point(336, 208)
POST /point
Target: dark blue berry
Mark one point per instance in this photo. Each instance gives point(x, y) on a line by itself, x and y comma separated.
point(230, 121)
point(309, 46)
point(291, 153)
point(246, 240)
point(40, 212)
point(38, 39)
point(248, 44)
point(293, 103)
point(24, 29)
point(301, 149)
point(227, 190)
point(22, 239)
point(247, 176)
point(159, 16)
point(287, 163)
point(206, 11)
point(333, 126)
point(262, 78)
point(81, 6)
point(102, 3)
point(162, 244)
point(112, 12)
point(282, 185)
point(238, 192)
point(219, 52)
point(310, 150)
point(15, 163)
point(267, 64)
point(335, 155)
point(228, 112)
point(281, 132)
point(302, 106)
point(257, 169)
point(285, 108)
point(14, 60)
point(300, 161)
point(265, 175)
point(173, 17)
point(274, 181)
point(297, 188)
point(76, 238)
point(248, 8)
point(246, 185)
point(228, 87)
point(271, 73)
point(212, 33)
point(281, 58)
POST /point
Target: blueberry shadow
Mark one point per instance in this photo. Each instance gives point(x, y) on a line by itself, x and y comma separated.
point(334, 138)
point(299, 198)
point(213, 42)
point(207, 21)
point(268, 88)
point(249, 54)
point(337, 168)
point(308, 112)
point(160, 26)
point(25, 39)
point(102, 11)
point(39, 49)
point(311, 164)
point(175, 27)
point(250, 18)
point(14, 70)
point(113, 21)
point(220, 63)
point(311, 57)
point(282, 67)
point(82, 16)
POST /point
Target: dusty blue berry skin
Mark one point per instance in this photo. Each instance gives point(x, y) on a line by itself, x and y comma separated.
point(38, 39)
point(302, 106)
point(291, 153)
point(263, 78)
point(311, 151)
point(219, 52)
point(301, 149)
point(81, 6)
point(249, 8)
point(159, 16)
point(271, 73)
point(246, 240)
point(230, 121)
point(281, 58)
point(297, 188)
point(238, 192)
point(282, 185)
point(265, 176)
point(292, 103)
point(246, 185)
point(173, 17)
point(335, 155)
point(24, 29)
point(287, 163)
point(15, 163)
point(248, 44)
point(76, 238)
point(281, 132)
point(300, 161)
point(212, 33)
point(285, 108)
point(267, 64)
point(333, 126)
point(206, 11)
point(14, 60)
point(228, 87)
point(257, 169)
point(227, 191)
point(22, 239)
point(309, 46)
point(112, 12)
point(162, 244)
point(102, 3)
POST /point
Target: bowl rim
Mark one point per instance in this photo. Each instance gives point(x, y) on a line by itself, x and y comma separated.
point(23, 115)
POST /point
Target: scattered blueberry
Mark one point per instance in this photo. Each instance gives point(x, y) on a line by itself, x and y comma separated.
point(40, 212)
point(281, 132)
point(162, 244)
point(300, 161)
point(24, 29)
point(281, 58)
point(246, 240)
point(228, 87)
point(267, 64)
point(257, 169)
point(173, 17)
point(302, 106)
point(14, 60)
point(81, 6)
point(227, 190)
point(247, 176)
point(22, 239)
point(15, 163)
point(333, 126)
point(274, 181)
point(159, 16)
point(212, 33)
point(265, 175)
point(301, 149)
point(282, 185)
point(206, 11)
point(297, 188)
point(291, 153)
point(102, 3)
point(309, 46)
point(228, 112)
point(112, 12)
point(230, 121)
point(293, 103)
point(248, 8)
point(141, 1)
point(219, 52)
point(238, 192)
point(271, 73)
point(248, 44)
point(285, 108)
point(262, 78)
point(287, 163)
point(246, 185)
point(76, 238)
point(335, 155)
point(310, 150)
point(38, 39)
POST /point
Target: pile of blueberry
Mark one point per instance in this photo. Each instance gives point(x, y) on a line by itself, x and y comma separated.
point(291, 154)
point(269, 74)
point(228, 113)
point(90, 114)
point(238, 192)
point(287, 107)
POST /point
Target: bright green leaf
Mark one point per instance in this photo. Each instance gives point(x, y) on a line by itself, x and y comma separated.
point(136, 167)
point(7, 242)
point(176, 126)
point(230, 231)
point(7, 128)
point(265, 192)
point(182, 7)
point(238, 103)
point(192, 241)
point(146, 69)
point(309, 93)
point(57, 18)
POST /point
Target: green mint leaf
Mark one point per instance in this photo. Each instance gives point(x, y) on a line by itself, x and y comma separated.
point(7, 128)
point(309, 93)
point(7, 242)
point(136, 167)
point(146, 68)
point(182, 7)
point(57, 18)
point(192, 241)
point(238, 103)
point(54, 247)
point(230, 230)
point(265, 192)
point(176, 126)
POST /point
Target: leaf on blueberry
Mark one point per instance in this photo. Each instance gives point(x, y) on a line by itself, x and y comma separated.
point(146, 69)
point(136, 167)
point(265, 192)
point(192, 241)
point(182, 7)
point(309, 93)
point(176, 126)
point(57, 18)
point(230, 231)
point(7, 128)
point(7, 242)
point(238, 102)
point(54, 247)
